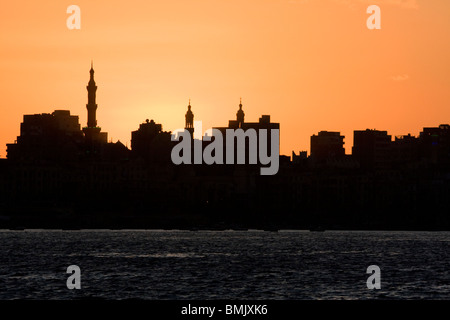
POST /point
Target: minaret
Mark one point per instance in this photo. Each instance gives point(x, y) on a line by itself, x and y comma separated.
point(91, 105)
point(190, 120)
point(240, 114)
point(92, 131)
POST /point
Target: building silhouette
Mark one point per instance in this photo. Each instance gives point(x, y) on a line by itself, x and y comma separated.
point(327, 145)
point(435, 144)
point(151, 143)
point(55, 136)
point(58, 137)
point(405, 151)
point(58, 175)
point(264, 123)
point(372, 148)
point(189, 126)
point(92, 132)
point(240, 115)
point(302, 157)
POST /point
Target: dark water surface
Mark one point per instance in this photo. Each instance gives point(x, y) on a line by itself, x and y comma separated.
point(224, 264)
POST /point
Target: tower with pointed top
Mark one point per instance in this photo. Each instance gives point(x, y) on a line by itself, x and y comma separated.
point(91, 105)
point(240, 115)
point(92, 131)
point(190, 119)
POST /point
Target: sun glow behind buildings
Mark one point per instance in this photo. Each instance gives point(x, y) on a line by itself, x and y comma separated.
point(311, 65)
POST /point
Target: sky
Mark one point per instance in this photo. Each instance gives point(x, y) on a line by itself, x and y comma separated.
point(312, 65)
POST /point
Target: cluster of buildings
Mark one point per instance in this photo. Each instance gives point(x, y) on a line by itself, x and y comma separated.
point(57, 173)
point(59, 137)
point(376, 150)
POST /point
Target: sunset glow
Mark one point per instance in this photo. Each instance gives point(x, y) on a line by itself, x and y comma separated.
point(312, 65)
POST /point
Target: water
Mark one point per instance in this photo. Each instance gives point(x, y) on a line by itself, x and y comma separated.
point(224, 264)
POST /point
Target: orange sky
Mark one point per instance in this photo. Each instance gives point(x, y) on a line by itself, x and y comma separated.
point(311, 64)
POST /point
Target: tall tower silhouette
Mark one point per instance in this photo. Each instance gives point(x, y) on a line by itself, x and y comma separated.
point(240, 115)
point(190, 120)
point(91, 105)
point(92, 131)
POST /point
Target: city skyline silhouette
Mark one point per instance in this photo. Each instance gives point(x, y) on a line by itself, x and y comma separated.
point(69, 177)
point(328, 139)
point(309, 69)
point(224, 158)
